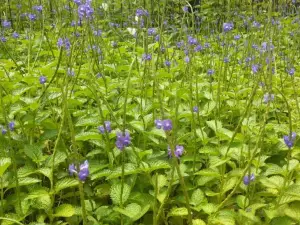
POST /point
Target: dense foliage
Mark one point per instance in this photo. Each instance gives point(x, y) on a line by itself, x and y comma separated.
point(149, 112)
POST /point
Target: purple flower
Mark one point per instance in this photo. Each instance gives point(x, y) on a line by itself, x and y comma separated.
point(151, 31)
point(210, 72)
point(177, 152)
point(158, 124)
point(198, 48)
point(187, 59)
point(70, 72)
point(38, 8)
point(247, 179)
point(107, 125)
point(6, 24)
point(43, 79)
point(83, 172)
point(77, 2)
point(237, 37)
point(147, 57)
point(85, 10)
point(3, 39)
point(267, 47)
point(167, 63)
point(3, 131)
point(60, 42)
point(268, 98)
point(97, 33)
point(255, 68)
point(289, 139)
point(227, 26)
point(32, 17)
point(180, 44)
point(15, 35)
point(256, 24)
point(206, 45)
point(157, 37)
point(226, 59)
point(195, 109)
point(123, 140)
point(291, 71)
point(185, 8)
point(72, 169)
point(11, 125)
point(192, 41)
point(141, 12)
point(167, 125)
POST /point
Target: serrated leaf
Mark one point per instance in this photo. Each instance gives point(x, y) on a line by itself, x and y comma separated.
point(293, 210)
point(229, 184)
point(134, 211)
point(23, 181)
point(65, 183)
point(182, 211)
point(137, 125)
point(4, 164)
point(90, 121)
point(274, 182)
point(34, 152)
point(197, 197)
point(85, 136)
point(115, 193)
point(214, 125)
point(209, 208)
point(64, 210)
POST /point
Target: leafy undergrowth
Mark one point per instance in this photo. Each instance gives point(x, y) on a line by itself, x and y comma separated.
point(149, 112)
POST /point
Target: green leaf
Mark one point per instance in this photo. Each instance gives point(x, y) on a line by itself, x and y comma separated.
point(34, 152)
point(64, 210)
point(85, 136)
point(197, 197)
point(90, 121)
point(229, 184)
point(134, 211)
point(293, 211)
point(23, 181)
point(137, 125)
point(182, 211)
point(242, 201)
point(209, 208)
point(4, 164)
point(214, 125)
point(65, 183)
point(198, 222)
point(43, 202)
point(115, 193)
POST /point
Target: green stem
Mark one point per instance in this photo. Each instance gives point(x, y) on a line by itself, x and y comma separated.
point(83, 210)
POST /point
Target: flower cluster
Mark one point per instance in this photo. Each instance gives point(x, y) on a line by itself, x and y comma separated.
point(107, 125)
point(248, 179)
point(165, 124)
point(64, 42)
point(146, 57)
point(177, 152)
point(123, 140)
point(85, 10)
point(268, 98)
point(83, 172)
point(227, 26)
point(289, 139)
point(141, 12)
